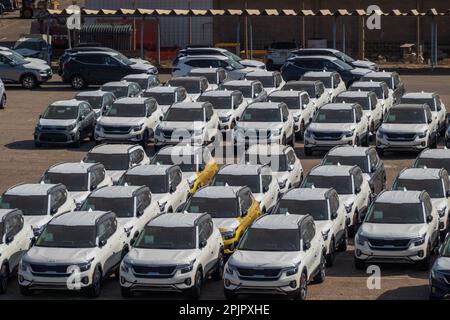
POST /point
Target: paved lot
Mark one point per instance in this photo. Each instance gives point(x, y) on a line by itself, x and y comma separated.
point(21, 162)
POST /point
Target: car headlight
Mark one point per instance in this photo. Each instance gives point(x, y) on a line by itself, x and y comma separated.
point(185, 268)
point(85, 266)
point(138, 128)
point(230, 268)
point(423, 134)
point(126, 266)
point(349, 134)
point(71, 127)
point(282, 183)
point(362, 240)
point(325, 234)
point(226, 118)
point(297, 118)
point(24, 265)
point(292, 270)
point(419, 241)
point(162, 205)
point(308, 134)
point(348, 207)
point(442, 211)
point(191, 181)
point(437, 275)
point(228, 234)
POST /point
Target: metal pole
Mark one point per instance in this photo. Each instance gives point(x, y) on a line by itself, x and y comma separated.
point(343, 37)
point(189, 25)
point(246, 36)
point(69, 38)
point(303, 27)
point(432, 44)
point(436, 42)
point(251, 39)
point(334, 33)
point(48, 41)
point(142, 38)
point(158, 56)
point(418, 32)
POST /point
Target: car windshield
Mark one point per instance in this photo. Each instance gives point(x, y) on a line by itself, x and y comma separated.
point(122, 207)
point(343, 65)
point(325, 80)
point(293, 103)
point(156, 183)
point(342, 184)
point(124, 59)
point(258, 239)
point(405, 116)
point(434, 187)
point(251, 181)
point(311, 89)
point(95, 102)
point(56, 236)
point(318, 209)
point(364, 102)
point(72, 181)
point(446, 249)
point(344, 57)
point(30, 205)
point(173, 238)
point(232, 56)
point(433, 163)
point(334, 116)
point(31, 44)
point(15, 58)
point(126, 110)
point(190, 86)
point(219, 103)
point(110, 161)
point(277, 163)
point(184, 114)
point(361, 161)
point(377, 90)
point(163, 99)
point(246, 90)
point(395, 213)
point(261, 115)
point(428, 101)
point(185, 164)
point(267, 81)
point(61, 112)
point(118, 91)
point(216, 208)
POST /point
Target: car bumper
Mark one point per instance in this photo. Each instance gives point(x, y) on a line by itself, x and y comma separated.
point(410, 255)
point(132, 136)
point(161, 141)
point(177, 283)
point(327, 144)
point(55, 281)
point(55, 136)
point(44, 78)
point(416, 144)
point(439, 288)
point(283, 286)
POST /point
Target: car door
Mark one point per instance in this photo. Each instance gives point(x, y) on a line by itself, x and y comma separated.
point(7, 71)
point(208, 252)
point(307, 233)
point(339, 222)
point(13, 224)
point(110, 252)
point(377, 171)
point(295, 166)
point(433, 223)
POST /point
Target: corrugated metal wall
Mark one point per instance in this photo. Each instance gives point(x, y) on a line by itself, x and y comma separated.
point(174, 31)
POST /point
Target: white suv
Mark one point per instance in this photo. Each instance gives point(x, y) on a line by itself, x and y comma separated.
point(271, 80)
point(351, 185)
point(252, 90)
point(39, 203)
point(400, 227)
point(76, 251)
point(176, 252)
point(328, 213)
point(195, 86)
point(381, 89)
point(167, 96)
point(332, 81)
point(436, 183)
point(15, 239)
point(166, 184)
point(278, 254)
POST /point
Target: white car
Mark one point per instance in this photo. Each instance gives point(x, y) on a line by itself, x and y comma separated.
point(408, 127)
point(188, 122)
point(129, 120)
point(259, 178)
point(167, 96)
point(100, 101)
point(76, 251)
point(381, 89)
point(283, 161)
point(133, 206)
point(176, 252)
point(117, 158)
point(332, 81)
point(434, 101)
point(122, 89)
point(337, 124)
point(400, 227)
point(144, 80)
point(195, 86)
point(278, 52)
point(436, 183)
point(300, 106)
point(278, 254)
point(271, 80)
point(328, 213)
point(228, 104)
point(2, 95)
point(351, 185)
point(39, 203)
point(316, 90)
point(393, 81)
point(215, 76)
point(79, 178)
point(433, 158)
point(165, 182)
point(371, 106)
point(252, 90)
point(266, 123)
point(15, 239)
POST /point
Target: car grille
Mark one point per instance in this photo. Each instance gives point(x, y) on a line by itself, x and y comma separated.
point(258, 134)
point(53, 137)
point(401, 136)
point(397, 244)
point(47, 128)
point(116, 130)
point(327, 135)
point(259, 274)
point(154, 271)
point(58, 270)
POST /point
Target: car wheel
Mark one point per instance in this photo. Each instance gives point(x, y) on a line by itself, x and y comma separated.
point(4, 276)
point(28, 81)
point(303, 289)
point(366, 139)
point(144, 140)
point(77, 82)
point(308, 151)
point(359, 264)
point(96, 287)
point(196, 290)
point(343, 245)
point(301, 131)
point(425, 263)
point(229, 295)
point(37, 144)
point(25, 291)
point(77, 142)
point(3, 102)
point(331, 255)
point(321, 275)
point(126, 292)
point(283, 141)
point(218, 273)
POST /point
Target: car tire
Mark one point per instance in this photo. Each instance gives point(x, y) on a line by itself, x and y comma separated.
point(28, 81)
point(425, 264)
point(301, 131)
point(3, 102)
point(196, 290)
point(359, 264)
point(217, 275)
point(308, 151)
point(126, 292)
point(77, 82)
point(77, 142)
point(229, 295)
point(380, 152)
point(144, 141)
point(37, 144)
point(303, 287)
point(343, 245)
point(331, 255)
point(4, 277)
point(95, 289)
point(25, 291)
point(322, 274)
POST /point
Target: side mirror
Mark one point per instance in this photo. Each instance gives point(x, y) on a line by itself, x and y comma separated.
point(244, 212)
point(357, 190)
point(290, 167)
point(334, 215)
point(81, 118)
point(8, 239)
point(265, 189)
point(53, 211)
point(102, 243)
point(93, 187)
point(306, 246)
point(201, 167)
point(429, 219)
point(430, 120)
point(132, 241)
point(448, 193)
point(203, 244)
point(172, 189)
point(161, 118)
point(140, 212)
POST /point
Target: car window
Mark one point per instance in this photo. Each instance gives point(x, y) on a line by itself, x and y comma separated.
point(205, 230)
point(437, 102)
point(427, 205)
point(13, 224)
point(85, 109)
point(358, 178)
point(266, 180)
point(209, 112)
point(308, 231)
point(373, 158)
point(334, 202)
point(245, 200)
point(336, 80)
point(97, 176)
point(290, 157)
point(143, 200)
point(181, 95)
point(373, 100)
point(90, 59)
point(106, 228)
point(136, 156)
point(305, 99)
point(175, 177)
point(58, 198)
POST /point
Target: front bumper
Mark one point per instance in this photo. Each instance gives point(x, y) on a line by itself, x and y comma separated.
point(311, 142)
point(439, 287)
point(44, 77)
point(411, 255)
point(163, 141)
point(54, 281)
point(61, 137)
point(415, 145)
point(134, 136)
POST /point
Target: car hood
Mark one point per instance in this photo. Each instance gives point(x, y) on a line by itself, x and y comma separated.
point(56, 122)
point(115, 175)
point(37, 221)
point(59, 255)
point(323, 225)
point(439, 203)
point(161, 257)
point(141, 66)
point(364, 64)
point(260, 125)
point(360, 71)
point(253, 63)
point(181, 125)
point(188, 175)
point(264, 259)
point(36, 66)
point(226, 223)
point(223, 113)
point(118, 121)
point(331, 127)
point(36, 60)
point(383, 230)
point(442, 263)
point(399, 128)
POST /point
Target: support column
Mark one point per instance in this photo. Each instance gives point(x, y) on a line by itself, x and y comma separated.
point(158, 53)
point(246, 36)
point(362, 38)
point(334, 32)
point(142, 37)
point(343, 38)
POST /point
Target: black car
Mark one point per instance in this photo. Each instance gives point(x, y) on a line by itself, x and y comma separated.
point(364, 157)
point(94, 68)
point(440, 273)
point(297, 66)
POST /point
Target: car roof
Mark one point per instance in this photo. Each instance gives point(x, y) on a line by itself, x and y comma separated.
point(261, 73)
point(264, 105)
point(278, 221)
point(188, 105)
point(240, 169)
point(72, 167)
point(220, 93)
point(138, 76)
point(94, 93)
point(173, 220)
point(400, 196)
point(181, 149)
point(331, 170)
point(318, 56)
point(267, 149)
point(339, 106)
point(303, 83)
point(285, 93)
point(349, 151)
point(307, 194)
point(205, 56)
point(122, 83)
point(315, 49)
point(149, 170)
point(355, 94)
point(218, 192)
point(67, 103)
point(185, 79)
point(410, 106)
point(204, 70)
point(31, 189)
point(239, 83)
point(115, 192)
point(78, 218)
point(418, 95)
point(112, 148)
point(163, 89)
point(366, 84)
point(420, 174)
point(110, 53)
point(317, 74)
point(435, 154)
point(5, 212)
point(133, 100)
point(203, 48)
point(379, 74)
